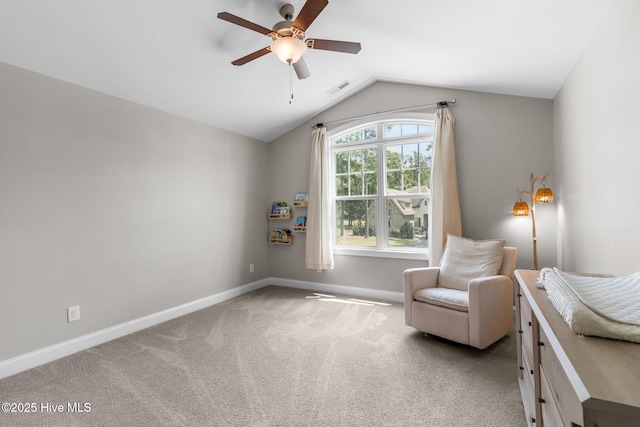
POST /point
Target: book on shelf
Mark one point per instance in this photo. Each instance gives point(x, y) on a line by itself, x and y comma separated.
point(301, 222)
point(301, 199)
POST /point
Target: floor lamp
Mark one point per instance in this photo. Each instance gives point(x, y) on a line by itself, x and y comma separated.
point(521, 208)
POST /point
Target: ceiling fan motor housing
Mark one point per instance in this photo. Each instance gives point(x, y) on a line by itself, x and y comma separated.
point(284, 29)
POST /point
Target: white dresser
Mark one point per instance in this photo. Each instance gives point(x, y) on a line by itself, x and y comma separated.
point(567, 379)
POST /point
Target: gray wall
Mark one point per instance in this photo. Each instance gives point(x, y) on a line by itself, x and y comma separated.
point(597, 138)
point(118, 208)
point(499, 141)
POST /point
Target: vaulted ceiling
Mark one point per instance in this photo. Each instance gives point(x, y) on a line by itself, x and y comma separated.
point(175, 55)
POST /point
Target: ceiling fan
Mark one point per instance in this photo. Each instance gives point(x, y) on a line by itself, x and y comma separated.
point(288, 41)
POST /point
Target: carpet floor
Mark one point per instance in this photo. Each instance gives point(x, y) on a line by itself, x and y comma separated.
point(275, 357)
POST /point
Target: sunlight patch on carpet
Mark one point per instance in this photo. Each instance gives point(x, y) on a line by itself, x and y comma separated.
point(333, 298)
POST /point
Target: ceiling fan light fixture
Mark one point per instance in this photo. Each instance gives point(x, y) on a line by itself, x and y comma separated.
point(288, 49)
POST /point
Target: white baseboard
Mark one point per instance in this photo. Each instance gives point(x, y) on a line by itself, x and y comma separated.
point(49, 354)
point(340, 289)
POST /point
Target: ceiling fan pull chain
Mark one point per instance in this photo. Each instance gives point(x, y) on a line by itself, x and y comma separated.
point(290, 83)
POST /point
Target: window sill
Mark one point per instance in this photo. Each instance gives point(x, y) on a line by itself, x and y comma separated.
point(383, 253)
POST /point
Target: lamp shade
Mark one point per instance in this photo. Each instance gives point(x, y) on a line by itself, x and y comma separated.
point(288, 49)
point(520, 208)
point(544, 195)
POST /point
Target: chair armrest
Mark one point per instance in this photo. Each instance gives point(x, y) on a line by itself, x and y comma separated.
point(420, 278)
point(490, 305)
point(416, 279)
point(484, 290)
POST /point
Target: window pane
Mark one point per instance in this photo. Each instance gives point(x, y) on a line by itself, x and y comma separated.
point(391, 130)
point(342, 162)
point(359, 135)
point(371, 159)
point(425, 128)
point(410, 155)
point(425, 180)
point(371, 183)
point(356, 223)
point(411, 181)
point(342, 185)
point(407, 222)
point(394, 181)
point(409, 129)
point(425, 155)
point(394, 157)
point(370, 133)
point(355, 181)
point(354, 136)
point(355, 159)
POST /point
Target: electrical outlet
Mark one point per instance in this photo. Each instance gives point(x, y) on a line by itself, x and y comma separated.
point(73, 313)
point(251, 268)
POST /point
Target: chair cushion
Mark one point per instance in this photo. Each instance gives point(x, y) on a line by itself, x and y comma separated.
point(444, 297)
point(465, 259)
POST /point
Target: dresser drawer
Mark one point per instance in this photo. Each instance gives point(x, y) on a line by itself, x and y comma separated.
point(528, 393)
point(527, 365)
point(550, 412)
point(526, 326)
point(559, 388)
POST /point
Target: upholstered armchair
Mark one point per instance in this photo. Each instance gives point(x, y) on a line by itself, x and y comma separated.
point(469, 297)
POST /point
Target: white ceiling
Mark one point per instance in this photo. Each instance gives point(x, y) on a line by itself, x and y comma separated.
point(174, 55)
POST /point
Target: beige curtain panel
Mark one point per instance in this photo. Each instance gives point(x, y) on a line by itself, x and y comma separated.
point(318, 254)
point(444, 214)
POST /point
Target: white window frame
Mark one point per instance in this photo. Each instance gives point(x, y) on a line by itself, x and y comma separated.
point(381, 250)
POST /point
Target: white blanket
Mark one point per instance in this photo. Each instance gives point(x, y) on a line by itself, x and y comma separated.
point(605, 307)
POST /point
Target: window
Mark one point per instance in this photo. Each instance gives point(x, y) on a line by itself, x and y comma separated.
point(382, 178)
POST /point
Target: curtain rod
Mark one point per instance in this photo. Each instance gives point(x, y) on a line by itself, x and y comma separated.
point(417, 107)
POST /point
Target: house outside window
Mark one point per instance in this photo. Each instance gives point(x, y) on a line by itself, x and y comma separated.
point(382, 173)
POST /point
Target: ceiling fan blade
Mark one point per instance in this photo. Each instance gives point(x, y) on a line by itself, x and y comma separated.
point(301, 69)
point(309, 13)
point(225, 16)
point(334, 45)
point(255, 55)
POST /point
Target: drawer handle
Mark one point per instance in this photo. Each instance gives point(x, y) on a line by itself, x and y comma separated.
point(531, 370)
point(541, 400)
point(540, 344)
point(521, 368)
point(520, 331)
point(529, 323)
